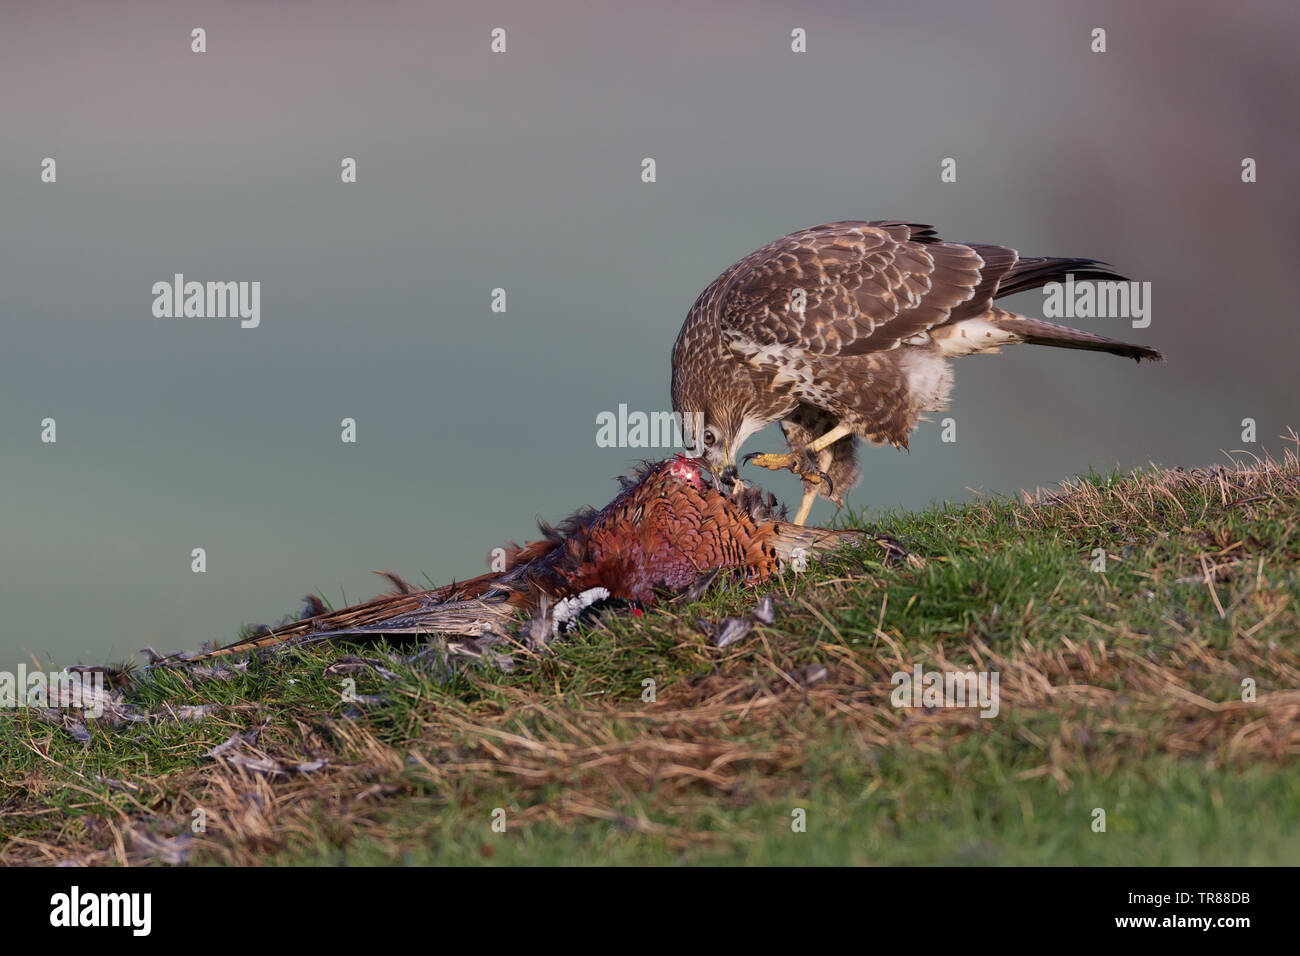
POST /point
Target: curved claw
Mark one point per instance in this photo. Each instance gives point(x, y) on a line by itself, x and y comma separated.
point(830, 485)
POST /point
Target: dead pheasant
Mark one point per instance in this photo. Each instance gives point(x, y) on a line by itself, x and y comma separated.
point(667, 529)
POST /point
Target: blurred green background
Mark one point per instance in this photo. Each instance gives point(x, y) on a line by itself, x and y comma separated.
point(522, 171)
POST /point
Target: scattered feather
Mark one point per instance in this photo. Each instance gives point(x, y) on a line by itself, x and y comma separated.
point(732, 630)
point(189, 712)
point(350, 664)
point(812, 674)
point(173, 850)
point(263, 765)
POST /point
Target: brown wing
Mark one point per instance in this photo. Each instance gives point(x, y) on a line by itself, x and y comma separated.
point(866, 286)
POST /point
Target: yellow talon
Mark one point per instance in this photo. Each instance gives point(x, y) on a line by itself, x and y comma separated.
point(813, 479)
point(773, 462)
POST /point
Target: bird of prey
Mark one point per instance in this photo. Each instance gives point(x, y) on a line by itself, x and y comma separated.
point(668, 531)
point(844, 331)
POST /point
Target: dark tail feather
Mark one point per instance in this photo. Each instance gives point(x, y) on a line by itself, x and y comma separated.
point(1038, 332)
point(1036, 272)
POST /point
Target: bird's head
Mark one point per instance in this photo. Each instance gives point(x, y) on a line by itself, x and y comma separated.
point(703, 437)
point(716, 434)
point(715, 418)
point(686, 470)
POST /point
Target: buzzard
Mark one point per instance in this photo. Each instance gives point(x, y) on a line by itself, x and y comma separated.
point(844, 331)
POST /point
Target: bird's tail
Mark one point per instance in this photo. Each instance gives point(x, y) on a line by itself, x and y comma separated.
point(1038, 332)
point(1034, 272)
point(470, 608)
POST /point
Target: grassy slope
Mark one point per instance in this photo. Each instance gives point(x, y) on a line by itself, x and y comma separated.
point(1119, 690)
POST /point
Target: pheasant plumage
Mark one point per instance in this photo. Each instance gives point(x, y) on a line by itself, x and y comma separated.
point(666, 529)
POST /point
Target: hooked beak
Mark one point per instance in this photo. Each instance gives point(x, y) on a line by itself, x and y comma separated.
point(729, 474)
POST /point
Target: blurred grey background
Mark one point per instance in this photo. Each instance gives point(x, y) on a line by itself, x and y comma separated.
point(522, 171)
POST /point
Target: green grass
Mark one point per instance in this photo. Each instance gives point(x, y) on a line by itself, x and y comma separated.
point(1119, 691)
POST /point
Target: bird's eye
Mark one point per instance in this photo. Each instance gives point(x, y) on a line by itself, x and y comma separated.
point(710, 438)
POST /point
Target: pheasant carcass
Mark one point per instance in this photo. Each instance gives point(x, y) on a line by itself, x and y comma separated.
point(668, 529)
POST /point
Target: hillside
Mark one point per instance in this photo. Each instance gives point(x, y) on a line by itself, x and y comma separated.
point(1119, 690)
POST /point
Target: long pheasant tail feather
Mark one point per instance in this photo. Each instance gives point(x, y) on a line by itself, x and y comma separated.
point(242, 646)
point(487, 615)
point(359, 615)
